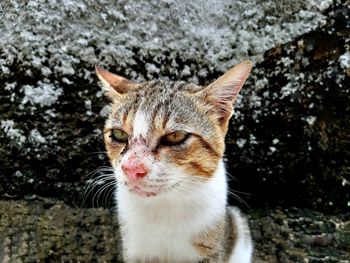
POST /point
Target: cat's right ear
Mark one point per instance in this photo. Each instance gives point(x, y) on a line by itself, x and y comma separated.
point(114, 86)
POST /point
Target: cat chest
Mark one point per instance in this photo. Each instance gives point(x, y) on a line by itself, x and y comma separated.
point(165, 245)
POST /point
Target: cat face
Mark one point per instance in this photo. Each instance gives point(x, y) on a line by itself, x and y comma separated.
point(165, 136)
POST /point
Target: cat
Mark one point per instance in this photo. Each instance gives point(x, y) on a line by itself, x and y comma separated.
point(165, 142)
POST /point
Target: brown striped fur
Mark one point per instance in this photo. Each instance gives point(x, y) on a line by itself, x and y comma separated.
point(177, 103)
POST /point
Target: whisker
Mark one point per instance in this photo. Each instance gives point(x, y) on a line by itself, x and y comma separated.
point(99, 179)
point(100, 191)
point(230, 176)
point(238, 198)
point(194, 182)
point(110, 194)
point(240, 192)
point(99, 169)
point(104, 176)
point(97, 193)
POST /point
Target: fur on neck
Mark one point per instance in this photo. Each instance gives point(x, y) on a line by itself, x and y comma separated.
point(162, 227)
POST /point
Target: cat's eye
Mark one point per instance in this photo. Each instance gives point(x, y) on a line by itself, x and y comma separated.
point(119, 135)
point(174, 138)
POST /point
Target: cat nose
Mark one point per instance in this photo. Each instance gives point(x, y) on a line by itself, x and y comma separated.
point(134, 170)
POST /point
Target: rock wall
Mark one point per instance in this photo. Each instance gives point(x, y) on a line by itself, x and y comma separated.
point(49, 231)
point(289, 138)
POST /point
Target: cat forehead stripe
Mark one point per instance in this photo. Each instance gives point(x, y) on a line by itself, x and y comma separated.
point(141, 124)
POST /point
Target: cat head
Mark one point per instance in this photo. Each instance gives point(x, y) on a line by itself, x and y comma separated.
point(161, 135)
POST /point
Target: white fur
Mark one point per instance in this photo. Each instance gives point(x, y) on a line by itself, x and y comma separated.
point(242, 251)
point(162, 227)
point(140, 125)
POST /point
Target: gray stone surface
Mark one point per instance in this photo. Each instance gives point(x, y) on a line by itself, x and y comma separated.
point(289, 142)
point(289, 138)
point(145, 39)
point(50, 231)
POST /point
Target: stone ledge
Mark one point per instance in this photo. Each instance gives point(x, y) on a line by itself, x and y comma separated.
point(50, 231)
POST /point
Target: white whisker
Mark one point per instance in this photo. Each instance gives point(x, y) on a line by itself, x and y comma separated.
point(105, 177)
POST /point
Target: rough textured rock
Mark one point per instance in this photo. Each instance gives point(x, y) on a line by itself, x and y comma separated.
point(49, 231)
point(289, 138)
point(289, 141)
point(300, 235)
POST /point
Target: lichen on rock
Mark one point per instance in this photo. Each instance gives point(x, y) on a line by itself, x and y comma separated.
point(52, 111)
point(289, 137)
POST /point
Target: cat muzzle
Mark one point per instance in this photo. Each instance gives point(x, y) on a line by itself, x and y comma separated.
point(134, 169)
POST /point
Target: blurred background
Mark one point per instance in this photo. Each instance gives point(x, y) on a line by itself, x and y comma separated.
point(288, 150)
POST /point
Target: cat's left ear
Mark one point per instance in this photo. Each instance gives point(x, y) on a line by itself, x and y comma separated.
point(222, 93)
point(114, 86)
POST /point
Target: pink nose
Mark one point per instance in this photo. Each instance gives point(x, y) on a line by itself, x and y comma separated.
point(134, 170)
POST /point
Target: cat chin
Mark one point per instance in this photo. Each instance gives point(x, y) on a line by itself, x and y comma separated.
point(137, 190)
